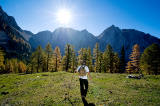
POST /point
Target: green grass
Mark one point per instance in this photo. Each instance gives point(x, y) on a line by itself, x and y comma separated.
point(52, 88)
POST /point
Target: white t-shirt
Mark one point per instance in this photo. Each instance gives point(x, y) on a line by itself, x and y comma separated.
point(86, 69)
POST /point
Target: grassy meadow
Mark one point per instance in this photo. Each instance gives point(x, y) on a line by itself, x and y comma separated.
point(57, 89)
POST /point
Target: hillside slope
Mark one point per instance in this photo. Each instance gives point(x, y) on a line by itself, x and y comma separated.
point(12, 37)
point(117, 38)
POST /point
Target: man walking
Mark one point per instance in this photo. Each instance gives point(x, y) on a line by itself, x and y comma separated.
point(83, 71)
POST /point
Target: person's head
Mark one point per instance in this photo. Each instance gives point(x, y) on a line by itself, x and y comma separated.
point(82, 62)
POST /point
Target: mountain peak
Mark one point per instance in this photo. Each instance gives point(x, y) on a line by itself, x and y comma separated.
point(110, 31)
point(8, 20)
point(113, 27)
point(1, 8)
point(1, 11)
point(45, 32)
point(64, 28)
point(84, 30)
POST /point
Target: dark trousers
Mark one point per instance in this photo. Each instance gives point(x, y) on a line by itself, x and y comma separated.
point(83, 86)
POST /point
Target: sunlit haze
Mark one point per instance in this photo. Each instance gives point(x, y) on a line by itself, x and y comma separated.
point(64, 16)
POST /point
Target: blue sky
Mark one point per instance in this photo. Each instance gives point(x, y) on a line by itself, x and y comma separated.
point(93, 15)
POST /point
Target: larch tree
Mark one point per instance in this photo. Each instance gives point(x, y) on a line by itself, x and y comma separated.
point(135, 58)
point(14, 63)
point(67, 57)
point(96, 53)
point(82, 56)
point(116, 63)
point(129, 67)
point(108, 59)
point(89, 59)
point(22, 67)
point(44, 63)
point(2, 66)
point(105, 62)
point(49, 54)
point(150, 60)
point(37, 58)
point(57, 58)
point(8, 66)
point(63, 63)
point(31, 66)
point(74, 60)
point(100, 62)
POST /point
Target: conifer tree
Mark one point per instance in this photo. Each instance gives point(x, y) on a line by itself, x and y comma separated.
point(105, 61)
point(100, 62)
point(49, 53)
point(135, 58)
point(44, 63)
point(122, 60)
point(2, 66)
point(116, 63)
point(21, 67)
point(68, 57)
point(89, 59)
point(37, 58)
point(31, 66)
point(8, 66)
point(85, 55)
point(63, 63)
point(96, 53)
point(150, 60)
point(108, 59)
point(82, 56)
point(74, 60)
point(57, 58)
point(14, 63)
point(129, 68)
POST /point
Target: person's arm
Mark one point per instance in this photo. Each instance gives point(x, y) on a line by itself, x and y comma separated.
point(88, 73)
point(75, 71)
point(89, 76)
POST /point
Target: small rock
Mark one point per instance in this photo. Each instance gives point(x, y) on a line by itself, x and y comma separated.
point(3, 86)
point(110, 91)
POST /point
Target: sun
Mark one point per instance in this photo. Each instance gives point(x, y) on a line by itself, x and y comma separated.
point(64, 16)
